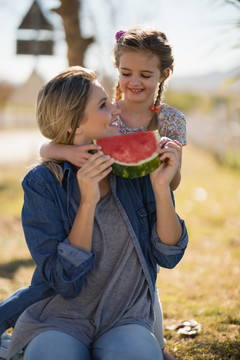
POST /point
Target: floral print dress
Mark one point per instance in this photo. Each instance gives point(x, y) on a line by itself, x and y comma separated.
point(171, 123)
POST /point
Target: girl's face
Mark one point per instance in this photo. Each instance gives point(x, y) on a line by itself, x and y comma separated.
point(99, 116)
point(139, 76)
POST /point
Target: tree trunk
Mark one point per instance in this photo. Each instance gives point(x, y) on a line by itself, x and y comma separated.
point(77, 45)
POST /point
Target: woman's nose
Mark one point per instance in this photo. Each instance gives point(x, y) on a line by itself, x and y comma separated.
point(116, 110)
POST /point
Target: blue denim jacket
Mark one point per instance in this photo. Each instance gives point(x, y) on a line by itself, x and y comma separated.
point(47, 218)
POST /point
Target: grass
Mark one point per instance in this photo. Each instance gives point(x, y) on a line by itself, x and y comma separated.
point(204, 286)
point(16, 266)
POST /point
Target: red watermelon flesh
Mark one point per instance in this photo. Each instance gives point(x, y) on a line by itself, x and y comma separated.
point(135, 154)
point(130, 148)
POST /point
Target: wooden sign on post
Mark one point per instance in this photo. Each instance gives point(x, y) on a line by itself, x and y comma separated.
point(34, 47)
point(35, 23)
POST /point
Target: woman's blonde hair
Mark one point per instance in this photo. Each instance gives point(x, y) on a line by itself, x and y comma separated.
point(152, 41)
point(60, 107)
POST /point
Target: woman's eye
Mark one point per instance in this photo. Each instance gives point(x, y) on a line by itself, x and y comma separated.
point(146, 76)
point(103, 105)
point(125, 74)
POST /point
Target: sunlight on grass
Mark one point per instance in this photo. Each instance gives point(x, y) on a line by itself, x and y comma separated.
point(11, 191)
point(205, 284)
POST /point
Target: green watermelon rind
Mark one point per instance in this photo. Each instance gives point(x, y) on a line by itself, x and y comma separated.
point(134, 171)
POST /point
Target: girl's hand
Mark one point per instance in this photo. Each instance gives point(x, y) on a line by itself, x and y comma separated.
point(95, 168)
point(170, 156)
point(79, 154)
point(75, 154)
point(165, 141)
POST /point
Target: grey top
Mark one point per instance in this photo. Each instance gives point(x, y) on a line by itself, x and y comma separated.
point(113, 294)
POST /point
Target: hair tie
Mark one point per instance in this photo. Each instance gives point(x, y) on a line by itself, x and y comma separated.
point(119, 34)
point(155, 108)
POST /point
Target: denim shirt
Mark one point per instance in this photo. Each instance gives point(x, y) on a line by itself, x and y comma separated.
point(47, 218)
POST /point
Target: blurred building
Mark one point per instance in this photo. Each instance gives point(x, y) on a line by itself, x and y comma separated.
point(19, 110)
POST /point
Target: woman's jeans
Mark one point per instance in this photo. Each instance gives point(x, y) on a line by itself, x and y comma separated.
point(127, 342)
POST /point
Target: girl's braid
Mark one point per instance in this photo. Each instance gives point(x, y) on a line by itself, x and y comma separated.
point(159, 94)
point(154, 121)
point(118, 93)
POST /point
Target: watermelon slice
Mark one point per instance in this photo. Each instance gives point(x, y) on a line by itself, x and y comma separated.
point(135, 154)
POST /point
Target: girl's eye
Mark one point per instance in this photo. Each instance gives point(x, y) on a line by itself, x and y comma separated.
point(146, 76)
point(125, 74)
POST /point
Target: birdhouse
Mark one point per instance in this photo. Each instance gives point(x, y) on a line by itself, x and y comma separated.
point(37, 33)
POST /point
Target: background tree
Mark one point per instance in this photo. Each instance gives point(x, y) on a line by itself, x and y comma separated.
point(76, 43)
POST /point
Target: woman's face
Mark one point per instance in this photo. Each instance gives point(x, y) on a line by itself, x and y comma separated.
point(99, 117)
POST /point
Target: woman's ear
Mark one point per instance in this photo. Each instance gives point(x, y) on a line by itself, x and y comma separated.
point(77, 132)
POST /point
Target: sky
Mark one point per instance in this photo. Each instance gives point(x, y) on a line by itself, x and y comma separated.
point(202, 32)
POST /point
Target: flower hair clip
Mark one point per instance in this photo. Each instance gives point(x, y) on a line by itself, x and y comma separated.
point(119, 34)
point(155, 108)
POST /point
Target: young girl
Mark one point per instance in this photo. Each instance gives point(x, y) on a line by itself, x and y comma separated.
point(144, 60)
point(86, 231)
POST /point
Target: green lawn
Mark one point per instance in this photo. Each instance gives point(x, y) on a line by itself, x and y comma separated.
point(205, 286)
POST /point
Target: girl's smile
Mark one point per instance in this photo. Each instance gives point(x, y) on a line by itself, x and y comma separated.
point(136, 91)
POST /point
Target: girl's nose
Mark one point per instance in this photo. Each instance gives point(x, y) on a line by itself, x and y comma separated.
point(134, 80)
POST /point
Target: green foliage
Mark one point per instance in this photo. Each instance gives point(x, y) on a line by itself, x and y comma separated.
point(183, 101)
point(189, 101)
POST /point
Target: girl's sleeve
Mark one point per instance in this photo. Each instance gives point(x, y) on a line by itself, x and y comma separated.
point(172, 124)
point(63, 266)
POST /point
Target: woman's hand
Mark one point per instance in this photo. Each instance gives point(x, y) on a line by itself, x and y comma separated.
point(96, 168)
point(170, 155)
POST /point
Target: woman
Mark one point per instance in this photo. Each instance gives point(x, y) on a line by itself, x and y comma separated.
point(87, 229)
